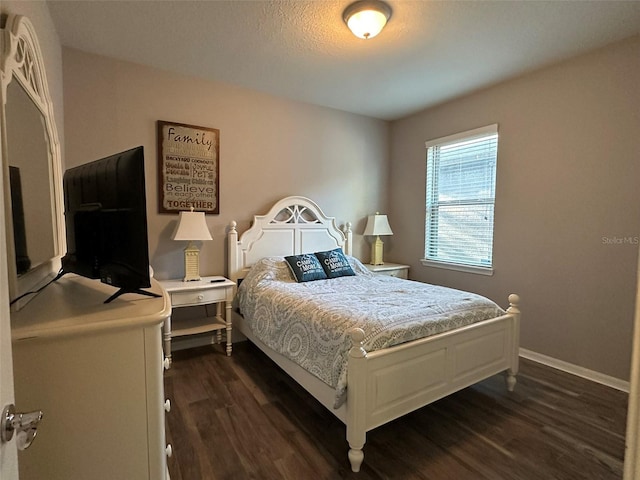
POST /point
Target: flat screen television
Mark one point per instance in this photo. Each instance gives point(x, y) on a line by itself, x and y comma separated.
point(106, 222)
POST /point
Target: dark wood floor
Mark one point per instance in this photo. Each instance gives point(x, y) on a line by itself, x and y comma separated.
point(241, 417)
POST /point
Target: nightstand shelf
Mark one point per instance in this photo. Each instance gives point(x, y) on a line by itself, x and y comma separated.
point(196, 326)
point(216, 291)
point(390, 269)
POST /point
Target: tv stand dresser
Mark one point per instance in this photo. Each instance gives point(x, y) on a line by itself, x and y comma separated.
point(96, 372)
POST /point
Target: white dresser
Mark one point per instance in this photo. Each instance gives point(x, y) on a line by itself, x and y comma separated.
point(96, 371)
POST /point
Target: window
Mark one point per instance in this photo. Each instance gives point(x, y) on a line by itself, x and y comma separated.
point(461, 183)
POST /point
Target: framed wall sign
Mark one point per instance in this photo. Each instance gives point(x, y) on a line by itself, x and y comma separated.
point(188, 168)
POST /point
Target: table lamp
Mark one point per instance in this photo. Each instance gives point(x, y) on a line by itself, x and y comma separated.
point(377, 225)
point(191, 226)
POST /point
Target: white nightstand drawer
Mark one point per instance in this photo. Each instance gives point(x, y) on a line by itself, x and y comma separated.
point(390, 269)
point(396, 273)
point(197, 297)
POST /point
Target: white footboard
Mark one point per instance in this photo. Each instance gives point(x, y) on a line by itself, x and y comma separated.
point(384, 385)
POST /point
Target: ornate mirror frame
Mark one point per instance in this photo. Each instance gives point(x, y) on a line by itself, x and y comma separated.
point(21, 61)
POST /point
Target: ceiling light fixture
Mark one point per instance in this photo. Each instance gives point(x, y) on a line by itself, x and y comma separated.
point(367, 18)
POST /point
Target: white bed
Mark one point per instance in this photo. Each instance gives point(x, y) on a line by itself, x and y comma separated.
point(383, 384)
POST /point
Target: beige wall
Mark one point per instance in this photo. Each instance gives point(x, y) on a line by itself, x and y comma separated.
point(269, 148)
point(568, 179)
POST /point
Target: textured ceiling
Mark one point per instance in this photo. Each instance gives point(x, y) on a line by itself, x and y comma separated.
point(430, 51)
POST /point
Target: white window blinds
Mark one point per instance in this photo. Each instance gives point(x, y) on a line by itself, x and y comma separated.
point(461, 181)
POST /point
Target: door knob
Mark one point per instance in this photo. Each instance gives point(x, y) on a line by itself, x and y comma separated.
point(25, 424)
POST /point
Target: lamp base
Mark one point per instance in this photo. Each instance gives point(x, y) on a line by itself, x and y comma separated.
point(191, 263)
point(376, 252)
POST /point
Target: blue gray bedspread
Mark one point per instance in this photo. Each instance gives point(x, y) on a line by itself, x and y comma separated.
point(308, 322)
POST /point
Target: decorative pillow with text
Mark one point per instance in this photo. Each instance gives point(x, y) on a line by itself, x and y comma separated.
point(305, 267)
point(335, 264)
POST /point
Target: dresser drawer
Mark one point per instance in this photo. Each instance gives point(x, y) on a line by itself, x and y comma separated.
point(197, 297)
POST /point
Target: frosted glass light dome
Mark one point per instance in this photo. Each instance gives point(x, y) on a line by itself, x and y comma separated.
point(367, 18)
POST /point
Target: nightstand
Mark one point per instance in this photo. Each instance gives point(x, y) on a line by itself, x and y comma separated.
point(390, 269)
point(207, 291)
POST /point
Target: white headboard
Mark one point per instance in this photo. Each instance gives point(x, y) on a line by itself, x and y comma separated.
point(294, 225)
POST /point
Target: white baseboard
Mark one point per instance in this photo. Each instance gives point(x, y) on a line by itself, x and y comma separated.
point(576, 370)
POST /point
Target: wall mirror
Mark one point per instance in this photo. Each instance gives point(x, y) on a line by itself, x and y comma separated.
point(31, 163)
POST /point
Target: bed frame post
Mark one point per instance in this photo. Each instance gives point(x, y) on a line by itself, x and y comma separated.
point(232, 245)
point(514, 311)
point(356, 399)
point(348, 235)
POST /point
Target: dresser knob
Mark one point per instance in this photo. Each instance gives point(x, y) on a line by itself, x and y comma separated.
point(169, 450)
point(200, 297)
point(167, 405)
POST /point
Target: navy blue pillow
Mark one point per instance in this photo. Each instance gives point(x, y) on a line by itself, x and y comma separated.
point(335, 264)
point(305, 267)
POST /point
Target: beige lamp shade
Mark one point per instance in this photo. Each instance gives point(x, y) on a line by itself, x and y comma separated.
point(377, 225)
point(191, 226)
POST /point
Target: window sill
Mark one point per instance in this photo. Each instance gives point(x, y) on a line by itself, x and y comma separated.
point(457, 267)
